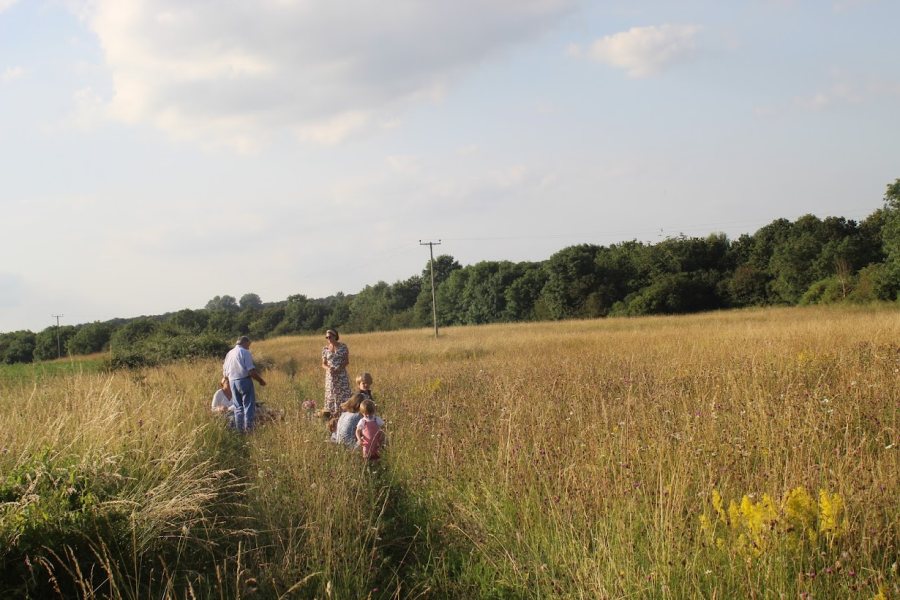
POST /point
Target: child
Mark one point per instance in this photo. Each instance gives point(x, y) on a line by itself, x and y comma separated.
point(369, 433)
point(345, 428)
point(364, 383)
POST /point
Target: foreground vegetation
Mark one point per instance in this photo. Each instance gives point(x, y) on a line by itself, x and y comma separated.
point(723, 455)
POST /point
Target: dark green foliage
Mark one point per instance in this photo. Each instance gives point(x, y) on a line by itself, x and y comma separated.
point(192, 321)
point(90, 338)
point(165, 346)
point(571, 277)
point(301, 315)
point(523, 293)
point(226, 302)
point(747, 286)
point(890, 239)
point(46, 344)
point(674, 293)
point(17, 347)
point(251, 300)
point(133, 333)
point(47, 505)
point(265, 321)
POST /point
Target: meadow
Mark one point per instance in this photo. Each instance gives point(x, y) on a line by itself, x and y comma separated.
point(744, 454)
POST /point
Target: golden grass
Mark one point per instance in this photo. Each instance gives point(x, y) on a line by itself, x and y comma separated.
point(569, 459)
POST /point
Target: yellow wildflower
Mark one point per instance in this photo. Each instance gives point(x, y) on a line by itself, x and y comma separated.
point(800, 515)
point(718, 505)
point(734, 515)
point(831, 514)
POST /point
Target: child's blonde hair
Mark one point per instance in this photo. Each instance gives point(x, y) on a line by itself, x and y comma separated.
point(364, 377)
point(352, 403)
point(367, 408)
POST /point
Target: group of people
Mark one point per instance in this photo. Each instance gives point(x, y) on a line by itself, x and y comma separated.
point(351, 416)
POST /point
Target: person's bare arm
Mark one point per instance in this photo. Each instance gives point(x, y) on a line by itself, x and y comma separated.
point(255, 375)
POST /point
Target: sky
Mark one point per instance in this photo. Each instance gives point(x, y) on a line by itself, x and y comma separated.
point(155, 154)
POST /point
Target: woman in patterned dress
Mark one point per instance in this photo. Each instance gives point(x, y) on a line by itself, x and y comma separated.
point(335, 358)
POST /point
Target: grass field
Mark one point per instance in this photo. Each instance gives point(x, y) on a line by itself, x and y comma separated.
point(30, 372)
point(749, 454)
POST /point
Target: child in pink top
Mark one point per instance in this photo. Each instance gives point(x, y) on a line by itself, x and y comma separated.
point(369, 431)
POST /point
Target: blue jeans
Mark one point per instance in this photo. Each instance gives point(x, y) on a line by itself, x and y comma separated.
point(243, 397)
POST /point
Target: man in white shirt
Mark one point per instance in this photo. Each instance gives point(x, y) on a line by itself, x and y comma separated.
point(240, 371)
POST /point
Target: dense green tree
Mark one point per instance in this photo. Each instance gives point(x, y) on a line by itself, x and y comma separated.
point(523, 293)
point(133, 333)
point(484, 296)
point(46, 344)
point(571, 276)
point(17, 347)
point(451, 304)
point(221, 322)
point(265, 321)
point(793, 259)
point(302, 315)
point(890, 235)
point(226, 303)
point(191, 321)
point(621, 269)
point(766, 240)
point(369, 309)
point(250, 301)
point(674, 293)
point(746, 286)
point(403, 295)
point(90, 338)
point(444, 266)
point(337, 311)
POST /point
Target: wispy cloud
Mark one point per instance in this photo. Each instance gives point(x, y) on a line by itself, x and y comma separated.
point(839, 93)
point(5, 4)
point(844, 90)
point(237, 73)
point(644, 51)
point(11, 73)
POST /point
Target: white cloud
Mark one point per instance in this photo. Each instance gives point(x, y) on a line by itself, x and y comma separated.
point(403, 163)
point(10, 73)
point(5, 4)
point(836, 95)
point(849, 90)
point(89, 111)
point(643, 51)
point(238, 73)
point(844, 91)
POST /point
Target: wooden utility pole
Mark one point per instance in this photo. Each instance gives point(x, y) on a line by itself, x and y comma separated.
point(431, 246)
point(58, 344)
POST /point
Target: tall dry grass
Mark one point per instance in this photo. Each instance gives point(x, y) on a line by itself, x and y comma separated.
point(557, 460)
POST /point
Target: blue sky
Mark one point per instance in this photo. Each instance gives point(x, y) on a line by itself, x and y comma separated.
point(157, 154)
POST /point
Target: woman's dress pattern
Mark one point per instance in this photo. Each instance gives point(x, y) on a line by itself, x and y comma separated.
point(337, 383)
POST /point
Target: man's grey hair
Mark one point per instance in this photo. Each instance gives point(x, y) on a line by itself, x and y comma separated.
point(242, 341)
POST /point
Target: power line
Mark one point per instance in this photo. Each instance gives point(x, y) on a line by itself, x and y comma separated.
point(650, 231)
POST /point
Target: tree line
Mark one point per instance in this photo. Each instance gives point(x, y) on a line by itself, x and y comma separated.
point(806, 261)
